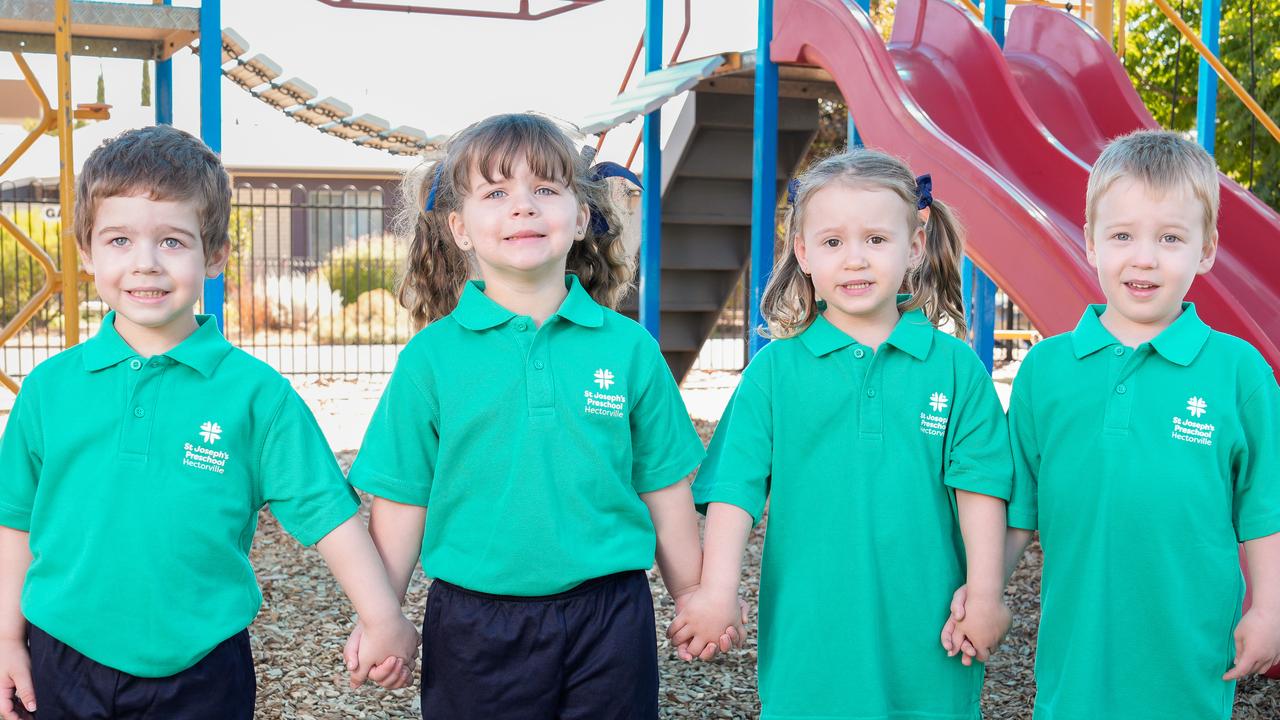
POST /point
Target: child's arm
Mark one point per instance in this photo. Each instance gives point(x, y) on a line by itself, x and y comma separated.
point(986, 620)
point(1258, 633)
point(715, 604)
point(679, 553)
point(15, 665)
point(354, 562)
point(1016, 541)
point(396, 529)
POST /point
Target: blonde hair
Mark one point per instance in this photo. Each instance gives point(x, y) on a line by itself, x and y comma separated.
point(438, 269)
point(1160, 160)
point(789, 303)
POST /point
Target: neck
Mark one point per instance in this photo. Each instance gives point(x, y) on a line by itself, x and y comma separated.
point(1132, 333)
point(871, 329)
point(154, 341)
point(538, 298)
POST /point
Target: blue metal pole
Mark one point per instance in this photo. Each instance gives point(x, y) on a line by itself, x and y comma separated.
point(764, 174)
point(164, 89)
point(978, 289)
point(211, 120)
point(1207, 92)
point(651, 208)
point(854, 139)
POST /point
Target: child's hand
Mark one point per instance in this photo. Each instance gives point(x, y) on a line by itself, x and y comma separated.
point(952, 642)
point(986, 621)
point(383, 652)
point(707, 621)
point(1257, 644)
point(17, 694)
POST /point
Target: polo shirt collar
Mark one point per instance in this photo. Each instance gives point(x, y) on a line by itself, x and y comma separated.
point(201, 351)
point(913, 334)
point(476, 311)
point(1179, 343)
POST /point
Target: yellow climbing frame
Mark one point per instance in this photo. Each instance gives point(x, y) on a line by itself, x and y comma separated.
point(64, 279)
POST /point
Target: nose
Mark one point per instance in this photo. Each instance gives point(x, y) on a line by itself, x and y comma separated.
point(144, 258)
point(855, 256)
point(1144, 254)
point(523, 203)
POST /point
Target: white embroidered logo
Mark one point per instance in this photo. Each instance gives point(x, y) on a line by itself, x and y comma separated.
point(604, 378)
point(210, 431)
point(938, 402)
point(1196, 406)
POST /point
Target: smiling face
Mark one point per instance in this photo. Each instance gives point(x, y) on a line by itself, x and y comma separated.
point(520, 225)
point(1148, 247)
point(149, 265)
point(856, 244)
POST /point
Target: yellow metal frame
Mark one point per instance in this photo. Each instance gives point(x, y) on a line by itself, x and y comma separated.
point(1219, 68)
point(55, 279)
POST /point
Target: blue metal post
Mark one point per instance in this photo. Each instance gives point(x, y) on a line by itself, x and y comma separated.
point(1207, 92)
point(764, 175)
point(651, 207)
point(978, 289)
point(854, 139)
point(164, 89)
point(211, 119)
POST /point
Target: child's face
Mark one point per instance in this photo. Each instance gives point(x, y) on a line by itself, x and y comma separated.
point(149, 266)
point(521, 225)
point(1148, 248)
point(856, 245)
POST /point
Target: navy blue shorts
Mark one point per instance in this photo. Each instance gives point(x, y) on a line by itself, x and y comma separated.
point(70, 686)
point(590, 652)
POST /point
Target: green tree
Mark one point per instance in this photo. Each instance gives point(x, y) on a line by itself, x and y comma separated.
point(146, 83)
point(102, 89)
point(1164, 69)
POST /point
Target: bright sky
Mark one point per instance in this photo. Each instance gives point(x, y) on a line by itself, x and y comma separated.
point(436, 73)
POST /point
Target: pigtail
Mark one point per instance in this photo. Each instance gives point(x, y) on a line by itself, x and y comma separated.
point(600, 259)
point(437, 269)
point(935, 284)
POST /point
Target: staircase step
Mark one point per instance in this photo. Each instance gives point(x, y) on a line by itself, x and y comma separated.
point(705, 247)
point(726, 153)
point(725, 110)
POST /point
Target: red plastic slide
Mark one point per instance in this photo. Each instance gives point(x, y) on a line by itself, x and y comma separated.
point(1077, 87)
point(942, 96)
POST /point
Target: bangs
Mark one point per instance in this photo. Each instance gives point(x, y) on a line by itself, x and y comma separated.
point(499, 144)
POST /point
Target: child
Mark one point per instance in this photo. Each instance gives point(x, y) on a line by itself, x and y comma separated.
point(881, 446)
point(1145, 447)
point(542, 429)
point(133, 466)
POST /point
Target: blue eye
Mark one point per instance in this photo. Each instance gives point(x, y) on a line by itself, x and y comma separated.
point(1122, 237)
point(1171, 239)
point(171, 243)
point(496, 194)
point(119, 242)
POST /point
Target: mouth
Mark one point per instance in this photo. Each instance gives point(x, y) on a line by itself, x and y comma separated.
point(856, 287)
point(525, 235)
point(146, 294)
point(1141, 287)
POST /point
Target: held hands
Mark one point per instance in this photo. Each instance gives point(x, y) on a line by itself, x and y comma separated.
point(1257, 644)
point(384, 652)
point(17, 695)
point(707, 621)
point(975, 627)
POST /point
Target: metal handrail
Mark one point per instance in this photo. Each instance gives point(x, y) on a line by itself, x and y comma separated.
point(1220, 69)
point(635, 57)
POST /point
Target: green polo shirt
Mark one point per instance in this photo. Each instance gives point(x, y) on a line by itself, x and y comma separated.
point(1142, 468)
point(140, 480)
point(530, 445)
point(859, 453)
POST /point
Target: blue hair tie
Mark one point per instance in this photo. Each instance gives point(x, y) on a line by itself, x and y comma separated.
point(600, 171)
point(793, 188)
point(924, 188)
point(435, 187)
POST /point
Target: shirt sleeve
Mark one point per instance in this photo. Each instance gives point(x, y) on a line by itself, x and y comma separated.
point(1023, 505)
point(1256, 469)
point(300, 478)
point(978, 455)
point(397, 459)
point(665, 447)
point(21, 451)
point(739, 461)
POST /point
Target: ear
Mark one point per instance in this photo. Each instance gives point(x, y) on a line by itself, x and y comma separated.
point(915, 250)
point(459, 231)
point(217, 262)
point(1208, 253)
point(583, 222)
point(801, 253)
point(86, 258)
point(1090, 251)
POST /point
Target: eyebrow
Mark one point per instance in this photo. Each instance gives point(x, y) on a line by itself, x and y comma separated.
point(838, 230)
